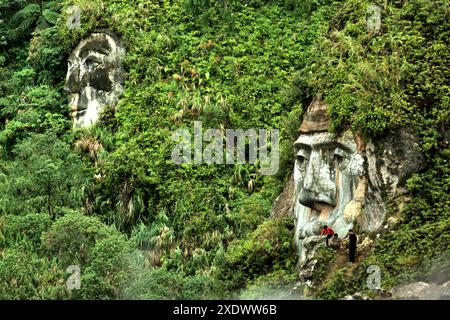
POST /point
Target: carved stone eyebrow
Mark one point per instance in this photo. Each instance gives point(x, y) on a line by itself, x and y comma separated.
point(330, 144)
point(85, 53)
point(300, 145)
point(100, 46)
point(333, 144)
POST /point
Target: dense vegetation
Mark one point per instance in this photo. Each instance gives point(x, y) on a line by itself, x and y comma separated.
point(110, 200)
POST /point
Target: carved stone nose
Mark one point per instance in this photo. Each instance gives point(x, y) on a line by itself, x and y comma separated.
point(317, 186)
point(307, 198)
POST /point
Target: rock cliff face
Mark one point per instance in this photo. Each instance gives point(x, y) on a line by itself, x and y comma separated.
point(390, 161)
point(343, 181)
point(284, 204)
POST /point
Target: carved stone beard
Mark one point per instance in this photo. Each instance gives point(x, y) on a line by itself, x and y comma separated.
point(94, 77)
point(328, 187)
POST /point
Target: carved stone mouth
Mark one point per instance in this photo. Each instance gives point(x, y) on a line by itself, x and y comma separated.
point(315, 211)
point(74, 105)
point(80, 112)
point(319, 206)
point(77, 113)
point(321, 210)
point(77, 109)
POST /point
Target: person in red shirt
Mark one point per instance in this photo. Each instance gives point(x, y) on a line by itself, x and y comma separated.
point(328, 232)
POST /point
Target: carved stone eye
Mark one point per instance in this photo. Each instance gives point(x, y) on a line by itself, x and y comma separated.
point(91, 63)
point(338, 155)
point(301, 158)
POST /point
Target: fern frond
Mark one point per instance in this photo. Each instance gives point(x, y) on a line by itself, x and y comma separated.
point(26, 23)
point(53, 5)
point(50, 16)
point(29, 11)
point(42, 23)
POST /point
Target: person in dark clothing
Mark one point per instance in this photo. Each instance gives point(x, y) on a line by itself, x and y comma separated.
point(328, 232)
point(352, 245)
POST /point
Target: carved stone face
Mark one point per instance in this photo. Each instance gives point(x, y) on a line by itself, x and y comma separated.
point(329, 187)
point(94, 77)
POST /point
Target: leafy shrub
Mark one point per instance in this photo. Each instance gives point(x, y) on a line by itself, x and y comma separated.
point(27, 228)
point(161, 284)
point(268, 248)
point(25, 275)
point(279, 284)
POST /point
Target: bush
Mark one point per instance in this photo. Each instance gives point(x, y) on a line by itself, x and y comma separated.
point(277, 285)
point(110, 266)
point(25, 275)
point(268, 248)
point(106, 258)
point(27, 228)
point(162, 284)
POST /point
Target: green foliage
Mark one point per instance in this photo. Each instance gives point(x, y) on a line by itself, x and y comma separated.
point(109, 266)
point(27, 228)
point(156, 285)
point(275, 285)
point(230, 64)
point(376, 81)
point(289, 133)
point(340, 286)
point(267, 249)
point(249, 212)
point(40, 14)
point(47, 57)
point(72, 237)
point(161, 284)
point(325, 256)
point(106, 258)
point(44, 176)
point(159, 238)
point(24, 275)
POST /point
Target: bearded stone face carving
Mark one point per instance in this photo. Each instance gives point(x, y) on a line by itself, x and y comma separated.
point(341, 180)
point(328, 179)
point(94, 77)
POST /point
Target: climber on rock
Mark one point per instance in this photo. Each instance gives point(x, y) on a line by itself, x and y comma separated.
point(328, 232)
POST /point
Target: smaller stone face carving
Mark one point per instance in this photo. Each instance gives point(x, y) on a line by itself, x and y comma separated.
point(328, 178)
point(94, 77)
